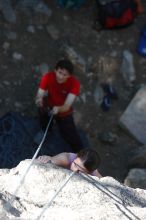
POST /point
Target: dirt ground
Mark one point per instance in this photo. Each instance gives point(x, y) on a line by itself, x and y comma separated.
point(19, 83)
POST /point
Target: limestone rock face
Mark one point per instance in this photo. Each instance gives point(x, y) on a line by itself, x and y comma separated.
point(81, 198)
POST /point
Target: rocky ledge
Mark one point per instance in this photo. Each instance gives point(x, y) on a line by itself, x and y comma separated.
point(81, 198)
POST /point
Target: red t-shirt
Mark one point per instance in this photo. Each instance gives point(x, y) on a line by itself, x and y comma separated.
point(57, 92)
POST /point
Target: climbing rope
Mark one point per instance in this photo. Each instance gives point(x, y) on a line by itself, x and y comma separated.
point(31, 162)
point(48, 204)
point(54, 196)
point(96, 183)
point(105, 190)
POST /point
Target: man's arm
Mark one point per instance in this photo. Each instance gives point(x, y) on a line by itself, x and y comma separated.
point(66, 106)
point(39, 97)
point(61, 159)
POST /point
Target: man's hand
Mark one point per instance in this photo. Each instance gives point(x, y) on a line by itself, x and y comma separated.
point(66, 106)
point(39, 102)
point(55, 110)
point(44, 159)
point(39, 97)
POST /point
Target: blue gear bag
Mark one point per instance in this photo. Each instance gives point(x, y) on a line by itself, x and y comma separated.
point(71, 3)
point(142, 42)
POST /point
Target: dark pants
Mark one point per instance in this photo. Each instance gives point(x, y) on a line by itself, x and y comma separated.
point(66, 126)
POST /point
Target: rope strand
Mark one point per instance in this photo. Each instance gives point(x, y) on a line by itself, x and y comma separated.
point(54, 196)
point(31, 162)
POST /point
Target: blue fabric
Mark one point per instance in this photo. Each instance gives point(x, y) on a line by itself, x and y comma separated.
point(71, 3)
point(16, 137)
point(142, 43)
point(17, 134)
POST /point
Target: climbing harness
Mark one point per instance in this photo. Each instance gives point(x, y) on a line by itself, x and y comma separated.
point(54, 196)
point(31, 162)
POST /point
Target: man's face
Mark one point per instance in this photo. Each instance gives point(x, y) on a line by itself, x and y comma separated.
point(78, 166)
point(62, 75)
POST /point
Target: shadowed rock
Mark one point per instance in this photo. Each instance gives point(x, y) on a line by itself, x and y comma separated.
point(7, 11)
point(138, 158)
point(136, 178)
point(134, 118)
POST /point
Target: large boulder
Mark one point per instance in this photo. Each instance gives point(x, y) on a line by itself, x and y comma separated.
point(81, 198)
point(138, 157)
point(136, 178)
point(134, 117)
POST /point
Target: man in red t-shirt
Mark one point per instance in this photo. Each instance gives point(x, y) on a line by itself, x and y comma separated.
point(61, 88)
